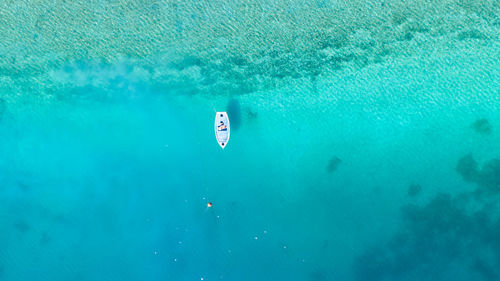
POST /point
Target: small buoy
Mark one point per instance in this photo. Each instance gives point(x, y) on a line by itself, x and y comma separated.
point(209, 204)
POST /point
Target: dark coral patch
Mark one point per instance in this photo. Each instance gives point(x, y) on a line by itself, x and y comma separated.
point(489, 176)
point(436, 238)
point(252, 114)
point(23, 186)
point(414, 190)
point(467, 167)
point(45, 239)
point(482, 126)
point(485, 270)
point(22, 226)
point(443, 235)
point(333, 164)
point(319, 275)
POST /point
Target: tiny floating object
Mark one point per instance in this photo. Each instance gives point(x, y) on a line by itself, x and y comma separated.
point(209, 204)
point(222, 130)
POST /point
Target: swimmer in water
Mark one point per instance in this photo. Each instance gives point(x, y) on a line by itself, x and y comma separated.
point(222, 127)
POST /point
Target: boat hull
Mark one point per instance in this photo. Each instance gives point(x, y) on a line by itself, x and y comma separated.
point(222, 133)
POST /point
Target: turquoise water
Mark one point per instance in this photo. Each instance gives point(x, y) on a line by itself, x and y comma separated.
point(365, 140)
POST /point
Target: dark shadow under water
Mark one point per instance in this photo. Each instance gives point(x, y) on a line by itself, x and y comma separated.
point(234, 112)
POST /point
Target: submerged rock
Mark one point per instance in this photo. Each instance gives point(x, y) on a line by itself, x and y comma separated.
point(234, 112)
point(482, 126)
point(333, 164)
point(414, 190)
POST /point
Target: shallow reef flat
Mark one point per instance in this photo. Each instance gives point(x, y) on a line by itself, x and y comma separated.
point(191, 47)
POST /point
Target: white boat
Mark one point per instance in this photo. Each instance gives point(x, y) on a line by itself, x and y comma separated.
point(222, 130)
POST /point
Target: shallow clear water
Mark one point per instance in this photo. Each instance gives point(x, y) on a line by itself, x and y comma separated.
point(365, 141)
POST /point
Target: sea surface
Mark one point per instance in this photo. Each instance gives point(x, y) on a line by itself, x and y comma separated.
point(365, 140)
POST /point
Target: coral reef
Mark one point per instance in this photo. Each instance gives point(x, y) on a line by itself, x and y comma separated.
point(444, 234)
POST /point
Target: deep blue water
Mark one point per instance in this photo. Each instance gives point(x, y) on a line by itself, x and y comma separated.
point(365, 141)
